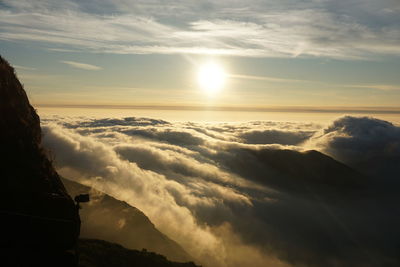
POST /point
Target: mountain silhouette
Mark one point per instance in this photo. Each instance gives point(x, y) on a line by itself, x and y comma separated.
point(99, 253)
point(121, 223)
point(299, 173)
point(40, 220)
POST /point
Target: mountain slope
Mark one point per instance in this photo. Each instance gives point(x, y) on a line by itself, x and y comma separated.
point(99, 253)
point(105, 217)
point(39, 219)
point(297, 172)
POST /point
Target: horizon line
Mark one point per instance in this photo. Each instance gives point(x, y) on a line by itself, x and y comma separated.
point(303, 109)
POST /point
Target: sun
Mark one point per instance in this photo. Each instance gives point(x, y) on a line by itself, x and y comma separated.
point(211, 77)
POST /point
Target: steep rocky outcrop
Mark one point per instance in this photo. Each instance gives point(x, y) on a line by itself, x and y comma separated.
point(39, 219)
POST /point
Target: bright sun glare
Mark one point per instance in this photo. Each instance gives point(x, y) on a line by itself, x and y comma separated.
point(211, 77)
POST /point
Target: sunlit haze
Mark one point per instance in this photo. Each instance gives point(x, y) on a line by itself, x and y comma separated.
point(211, 77)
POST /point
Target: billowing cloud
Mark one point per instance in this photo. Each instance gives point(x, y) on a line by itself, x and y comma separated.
point(368, 144)
point(242, 194)
point(334, 29)
point(275, 137)
point(79, 65)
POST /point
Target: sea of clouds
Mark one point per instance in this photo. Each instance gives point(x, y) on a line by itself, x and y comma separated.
point(247, 194)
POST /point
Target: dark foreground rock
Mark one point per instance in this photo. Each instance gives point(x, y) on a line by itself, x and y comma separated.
point(40, 224)
point(99, 253)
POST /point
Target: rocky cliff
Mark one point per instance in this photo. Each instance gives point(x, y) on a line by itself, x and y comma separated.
point(39, 218)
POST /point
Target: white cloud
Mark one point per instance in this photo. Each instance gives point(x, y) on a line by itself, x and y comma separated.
point(267, 78)
point(370, 145)
point(23, 67)
point(257, 29)
point(381, 87)
point(225, 191)
point(80, 65)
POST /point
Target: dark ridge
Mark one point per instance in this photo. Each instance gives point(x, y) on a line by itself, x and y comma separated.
point(100, 253)
point(300, 173)
point(38, 215)
point(312, 167)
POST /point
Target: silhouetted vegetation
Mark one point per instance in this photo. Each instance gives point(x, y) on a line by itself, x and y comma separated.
point(100, 253)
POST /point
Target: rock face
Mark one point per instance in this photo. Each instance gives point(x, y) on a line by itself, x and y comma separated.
point(36, 211)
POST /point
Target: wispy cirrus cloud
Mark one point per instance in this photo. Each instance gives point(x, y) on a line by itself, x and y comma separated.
point(83, 66)
point(24, 68)
point(381, 87)
point(333, 29)
point(266, 78)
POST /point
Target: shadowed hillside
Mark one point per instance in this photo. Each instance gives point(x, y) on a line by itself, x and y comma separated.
point(104, 254)
point(39, 218)
point(309, 170)
point(122, 224)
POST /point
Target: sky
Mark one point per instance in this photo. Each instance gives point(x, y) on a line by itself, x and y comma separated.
point(288, 53)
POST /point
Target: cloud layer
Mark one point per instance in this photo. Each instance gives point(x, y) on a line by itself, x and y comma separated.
point(245, 194)
point(369, 145)
point(334, 29)
point(80, 65)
